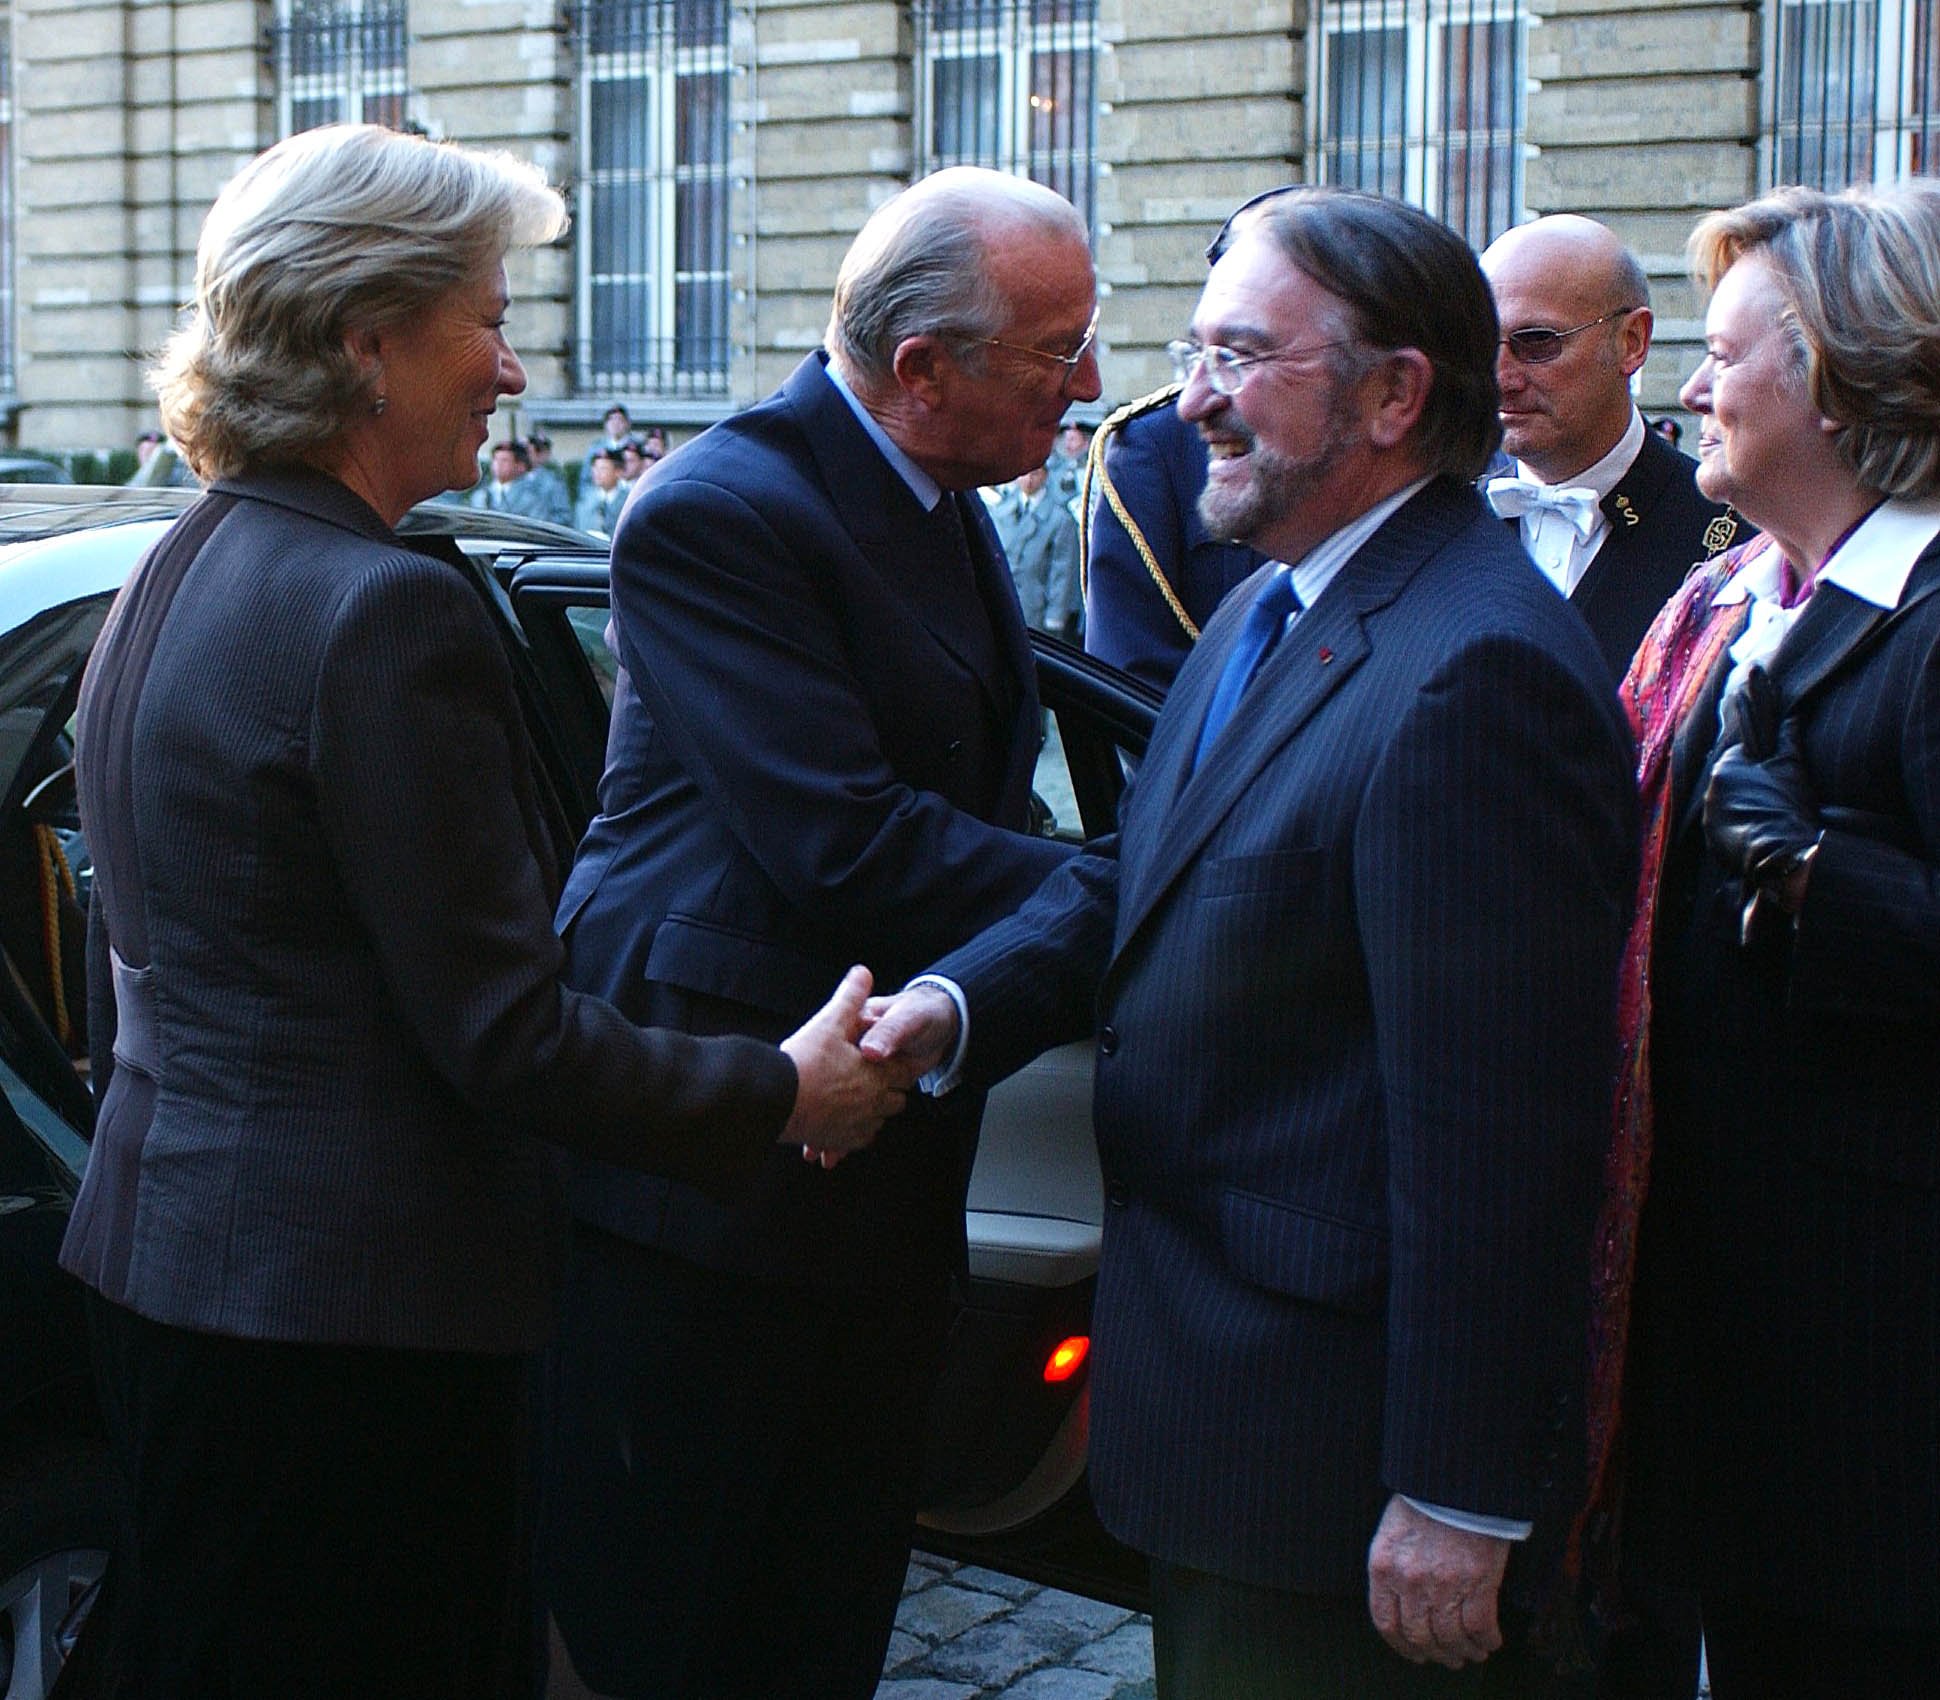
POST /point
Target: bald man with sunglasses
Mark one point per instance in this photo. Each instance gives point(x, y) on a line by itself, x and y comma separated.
point(1608, 510)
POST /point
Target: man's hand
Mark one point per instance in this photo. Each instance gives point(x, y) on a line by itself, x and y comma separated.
point(1431, 1588)
point(841, 1096)
point(917, 1028)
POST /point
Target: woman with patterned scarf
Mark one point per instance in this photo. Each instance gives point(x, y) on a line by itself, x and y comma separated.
point(1766, 1408)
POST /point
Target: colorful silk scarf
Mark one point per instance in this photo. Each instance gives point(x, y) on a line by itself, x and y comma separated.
point(1677, 658)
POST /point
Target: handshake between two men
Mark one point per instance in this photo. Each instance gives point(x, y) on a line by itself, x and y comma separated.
point(856, 1059)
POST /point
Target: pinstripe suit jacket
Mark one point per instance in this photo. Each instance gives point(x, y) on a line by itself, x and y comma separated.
point(1353, 983)
point(316, 824)
point(1786, 1339)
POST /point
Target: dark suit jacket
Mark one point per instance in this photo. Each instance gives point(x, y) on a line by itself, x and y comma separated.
point(1157, 463)
point(316, 825)
point(821, 753)
point(1354, 986)
point(1786, 1342)
point(1660, 527)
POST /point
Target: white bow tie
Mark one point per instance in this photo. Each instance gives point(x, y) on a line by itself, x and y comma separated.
point(1512, 497)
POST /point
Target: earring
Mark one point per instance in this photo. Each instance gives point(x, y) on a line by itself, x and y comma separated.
point(380, 404)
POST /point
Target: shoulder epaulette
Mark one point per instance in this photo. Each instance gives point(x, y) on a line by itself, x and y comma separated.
point(1095, 474)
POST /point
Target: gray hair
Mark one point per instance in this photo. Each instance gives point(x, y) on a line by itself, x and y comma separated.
point(1860, 274)
point(917, 267)
point(348, 227)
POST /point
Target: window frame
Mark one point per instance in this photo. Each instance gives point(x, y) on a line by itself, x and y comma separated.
point(1891, 128)
point(1009, 34)
point(1429, 140)
point(365, 92)
point(657, 60)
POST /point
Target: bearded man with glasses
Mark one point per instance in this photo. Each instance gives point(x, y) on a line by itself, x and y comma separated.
point(1608, 510)
point(1351, 969)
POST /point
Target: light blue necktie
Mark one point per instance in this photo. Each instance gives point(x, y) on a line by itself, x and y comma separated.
point(1265, 621)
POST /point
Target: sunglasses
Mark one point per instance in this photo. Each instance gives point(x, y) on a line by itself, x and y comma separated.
point(1538, 344)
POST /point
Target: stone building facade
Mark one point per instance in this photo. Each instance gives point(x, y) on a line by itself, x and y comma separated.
point(719, 154)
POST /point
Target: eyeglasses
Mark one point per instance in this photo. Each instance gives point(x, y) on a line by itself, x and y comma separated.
point(1538, 345)
point(1226, 368)
point(1070, 362)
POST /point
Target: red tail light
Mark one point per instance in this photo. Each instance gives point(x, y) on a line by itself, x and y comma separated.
point(1067, 1358)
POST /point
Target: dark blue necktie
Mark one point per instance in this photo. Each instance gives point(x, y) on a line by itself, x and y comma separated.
point(1265, 621)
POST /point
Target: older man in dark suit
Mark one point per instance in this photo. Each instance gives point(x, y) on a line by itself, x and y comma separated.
point(1610, 511)
point(823, 742)
point(1352, 974)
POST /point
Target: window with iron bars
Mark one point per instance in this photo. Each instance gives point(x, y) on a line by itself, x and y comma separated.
point(1011, 84)
point(339, 62)
point(1855, 92)
point(654, 81)
point(1424, 100)
point(9, 377)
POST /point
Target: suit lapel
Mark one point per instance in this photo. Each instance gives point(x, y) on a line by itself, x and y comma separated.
point(1631, 512)
point(1012, 688)
point(892, 533)
point(1327, 644)
point(1831, 627)
point(1834, 628)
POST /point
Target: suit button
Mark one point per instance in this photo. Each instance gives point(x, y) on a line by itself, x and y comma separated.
point(1108, 1040)
point(955, 752)
point(1116, 1197)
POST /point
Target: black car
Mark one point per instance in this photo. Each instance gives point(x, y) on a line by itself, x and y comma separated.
point(1006, 1467)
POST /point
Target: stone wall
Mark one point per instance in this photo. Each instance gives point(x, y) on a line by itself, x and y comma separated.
point(1645, 115)
point(131, 113)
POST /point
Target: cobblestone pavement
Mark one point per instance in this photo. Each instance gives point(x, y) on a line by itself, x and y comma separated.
point(963, 1633)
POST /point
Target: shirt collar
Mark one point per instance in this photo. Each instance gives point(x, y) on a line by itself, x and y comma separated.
point(1875, 562)
point(1872, 564)
point(922, 486)
point(1759, 579)
point(1319, 567)
point(1607, 473)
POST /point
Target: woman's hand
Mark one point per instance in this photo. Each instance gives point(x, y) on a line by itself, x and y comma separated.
point(1759, 816)
point(841, 1096)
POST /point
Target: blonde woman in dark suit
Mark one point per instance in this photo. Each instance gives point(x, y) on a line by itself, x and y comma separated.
point(317, 1227)
point(1782, 1008)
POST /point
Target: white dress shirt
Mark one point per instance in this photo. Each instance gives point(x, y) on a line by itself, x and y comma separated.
point(1556, 546)
point(1873, 564)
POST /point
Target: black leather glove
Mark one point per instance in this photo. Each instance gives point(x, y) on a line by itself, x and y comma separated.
point(1751, 716)
point(1759, 816)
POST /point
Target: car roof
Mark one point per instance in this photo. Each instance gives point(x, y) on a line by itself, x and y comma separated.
point(64, 543)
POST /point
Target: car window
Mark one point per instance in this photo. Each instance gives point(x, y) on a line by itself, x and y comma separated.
point(589, 627)
point(39, 663)
point(1096, 718)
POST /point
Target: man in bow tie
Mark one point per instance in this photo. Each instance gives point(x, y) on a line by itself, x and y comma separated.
point(1609, 511)
point(1351, 973)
